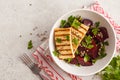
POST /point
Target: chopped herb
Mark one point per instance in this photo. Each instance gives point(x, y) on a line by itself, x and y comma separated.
point(102, 52)
point(58, 40)
point(112, 71)
point(75, 41)
point(77, 65)
point(55, 53)
point(71, 19)
point(90, 46)
point(88, 39)
point(77, 52)
point(97, 24)
point(87, 42)
point(94, 60)
point(79, 18)
point(76, 24)
point(69, 60)
point(63, 23)
point(106, 43)
point(86, 58)
point(95, 30)
point(68, 37)
point(83, 44)
point(30, 44)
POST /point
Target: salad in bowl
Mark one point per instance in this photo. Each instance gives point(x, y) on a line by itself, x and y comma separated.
point(82, 42)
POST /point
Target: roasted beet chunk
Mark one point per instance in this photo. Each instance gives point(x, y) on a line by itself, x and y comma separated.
point(74, 61)
point(87, 22)
point(93, 53)
point(104, 32)
point(82, 62)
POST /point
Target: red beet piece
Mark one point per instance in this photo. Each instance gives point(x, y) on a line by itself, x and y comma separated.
point(74, 61)
point(82, 62)
point(93, 53)
point(87, 22)
point(104, 32)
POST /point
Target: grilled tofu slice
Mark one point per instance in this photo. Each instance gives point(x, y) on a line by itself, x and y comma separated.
point(77, 35)
point(63, 42)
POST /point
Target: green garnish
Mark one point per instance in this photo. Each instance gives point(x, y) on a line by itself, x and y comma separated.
point(97, 24)
point(76, 24)
point(79, 18)
point(71, 19)
point(106, 43)
point(94, 60)
point(56, 53)
point(90, 46)
point(30, 44)
point(68, 37)
point(63, 23)
point(77, 52)
point(77, 65)
point(86, 58)
point(102, 53)
point(87, 42)
point(75, 41)
point(95, 30)
point(112, 71)
point(88, 39)
point(69, 60)
point(58, 40)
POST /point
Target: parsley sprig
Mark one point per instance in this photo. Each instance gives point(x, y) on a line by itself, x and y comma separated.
point(112, 71)
point(87, 42)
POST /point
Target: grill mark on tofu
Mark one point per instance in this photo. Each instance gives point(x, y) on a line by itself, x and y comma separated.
point(63, 37)
point(63, 43)
point(82, 30)
point(65, 56)
point(65, 52)
point(62, 33)
point(62, 29)
point(77, 30)
point(77, 36)
point(63, 47)
point(84, 27)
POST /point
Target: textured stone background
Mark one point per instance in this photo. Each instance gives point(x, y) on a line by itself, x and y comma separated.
point(20, 17)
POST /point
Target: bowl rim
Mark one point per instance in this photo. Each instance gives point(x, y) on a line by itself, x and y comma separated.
point(92, 12)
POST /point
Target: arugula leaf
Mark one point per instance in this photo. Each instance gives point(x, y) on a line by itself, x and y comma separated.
point(63, 23)
point(56, 53)
point(30, 44)
point(76, 24)
point(75, 41)
point(86, 58)
point(68, 37)
point(58, 40)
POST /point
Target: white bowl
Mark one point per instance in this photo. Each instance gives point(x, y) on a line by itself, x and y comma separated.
point(100, 64)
